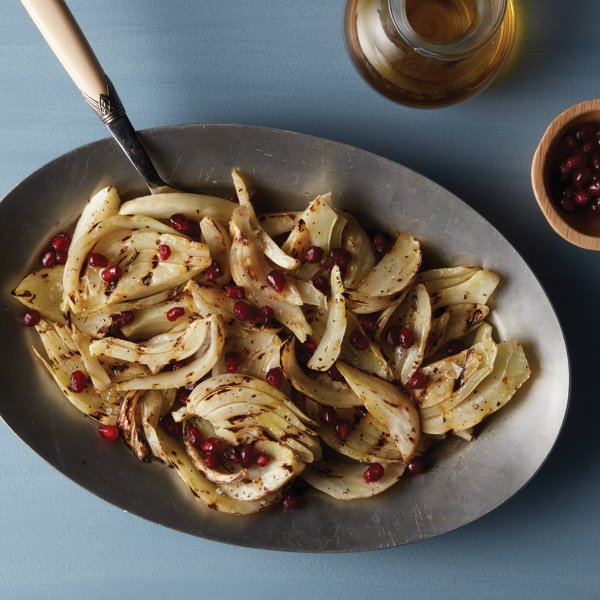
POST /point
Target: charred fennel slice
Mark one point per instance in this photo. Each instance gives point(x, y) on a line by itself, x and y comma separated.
point(247, 350)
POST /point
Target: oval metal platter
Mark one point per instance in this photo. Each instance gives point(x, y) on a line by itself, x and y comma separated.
point(468, 479)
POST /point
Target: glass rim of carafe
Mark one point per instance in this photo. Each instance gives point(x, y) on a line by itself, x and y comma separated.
point(472, 41)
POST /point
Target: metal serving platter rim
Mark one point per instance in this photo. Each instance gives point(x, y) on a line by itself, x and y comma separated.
point(467, 481)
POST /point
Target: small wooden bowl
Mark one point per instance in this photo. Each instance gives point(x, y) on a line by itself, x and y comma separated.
point(582, 230)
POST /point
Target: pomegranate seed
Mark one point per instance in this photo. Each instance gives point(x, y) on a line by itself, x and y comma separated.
point(382, 243)
point(581, 177)
point(164, 251)
point(49, 258)
point(328, 416)
point(455, 347)
point(343, 430)
point(407, 338)
point(232, 454)
point(373, 473)
point(573, 162)
point(175, 313)
point(417, 465)
point(310, 345)
point(246, 454)
point(232, 362)
point(111, 274)
point(108, 432)
point(335, 374)
point(595, 161)
point(61, 242)
point(98, 260)
point(595, 206)
point(290, 502)
point(594, 189)
point(212, 446)
point(262, 460)
point(183, 396)
point(276, 279)
point(368, 323)
point(235, 292)
point(30, 318)
point(123, 318)
point(340, 257)
point(585, 132)
point(418, 380)
point(314, 255)
point(266, 316)
point(581, 198)
point(393, 336)
point(213, 272)
point(212, 461)
point(61, 257)
point(243, 311)
point(194, 436)
point(589, 146)
point(170, 425)
point(570, 142)
point(78, 381)
point(184, 225)
point(275, 376)
point(321, 283)
point(358, 340)
point(567, 205)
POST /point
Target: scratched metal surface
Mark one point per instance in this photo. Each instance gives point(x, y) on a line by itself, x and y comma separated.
point(468, 479)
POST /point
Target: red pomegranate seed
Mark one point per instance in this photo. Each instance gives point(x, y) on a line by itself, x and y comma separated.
point(407, 338)
point(417, 465)
point(314, 255)
point(570, 142)
point(78, 381)
point(111, 274)
point(212, 445)
point(183, 396)
point(164, 251)
point(276, 279)
point(213, 272)
point(567, 205)
point(382, 243)
point(585, 132)
point(262, 460)
point(61, 242)
point(595, 161)
point(275, 376)
point(573, 162)
point(246, 454)
point(368, 323)
point(290, 502)
point(373, 473)
point(455, 347)
point(49, 258)
point(232, 454)
point(194, 436)
point(328, 416)
point(393, 337)
point(30, 318)
point(309, 345)
point(335, 374)
point(343, 430)
point(184, 225)
point(340, 257)
point(232, 361)
point(123, 318)
point(418, 380)
point(98, 260)
point(235, 292)
point(61, 257)
point(243, 311)
point(581, 177)
point(212, 461)
point(175, 313)
point(358, 340)
point(108, 432)
point(170, 425)
point(581, 198)
point(589, 146)
point(321, 283)
point(266, 316)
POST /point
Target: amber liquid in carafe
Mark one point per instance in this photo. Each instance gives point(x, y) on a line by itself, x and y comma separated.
point(402, 73)
point(442, 21)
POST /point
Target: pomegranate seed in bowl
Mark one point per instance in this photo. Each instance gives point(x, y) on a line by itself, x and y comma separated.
point(108, 432)
point(373, 473)
point(30, 318)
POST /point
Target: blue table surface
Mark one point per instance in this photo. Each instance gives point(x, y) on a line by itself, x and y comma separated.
point(284, 64)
